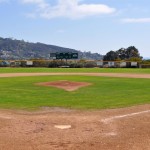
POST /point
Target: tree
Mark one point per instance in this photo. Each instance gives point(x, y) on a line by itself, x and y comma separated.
point(121, 53)
point(130, 53)
point(111, 56)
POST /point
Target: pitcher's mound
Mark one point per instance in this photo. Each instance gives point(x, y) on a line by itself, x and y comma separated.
point(66, 85)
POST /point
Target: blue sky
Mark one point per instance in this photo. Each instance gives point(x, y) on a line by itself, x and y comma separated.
point(86, 25)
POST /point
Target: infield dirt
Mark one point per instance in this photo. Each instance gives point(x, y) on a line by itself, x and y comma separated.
point(121, 75)
point(21, 130)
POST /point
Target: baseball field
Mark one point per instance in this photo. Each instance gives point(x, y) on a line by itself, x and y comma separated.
point(102, 108)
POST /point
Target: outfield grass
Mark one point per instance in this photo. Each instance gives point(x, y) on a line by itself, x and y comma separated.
point(92, 70)
point(106, 92)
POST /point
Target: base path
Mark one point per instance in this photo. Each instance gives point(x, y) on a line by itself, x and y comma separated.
point(64, 129)
point(122, 75)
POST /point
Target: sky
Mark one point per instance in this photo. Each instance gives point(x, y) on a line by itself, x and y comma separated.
point(87, 25)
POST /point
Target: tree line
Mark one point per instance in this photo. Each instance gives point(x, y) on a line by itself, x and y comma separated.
point(129, 54)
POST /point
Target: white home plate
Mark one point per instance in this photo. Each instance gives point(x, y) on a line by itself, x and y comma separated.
point(110, 134)
point(63, 126)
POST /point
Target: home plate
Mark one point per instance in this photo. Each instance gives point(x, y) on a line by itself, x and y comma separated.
point(63, 126)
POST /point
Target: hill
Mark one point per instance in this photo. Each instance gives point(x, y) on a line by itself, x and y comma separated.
point(20, 49)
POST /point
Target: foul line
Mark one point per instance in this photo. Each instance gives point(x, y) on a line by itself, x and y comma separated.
point(123, 116)
point(5, 117)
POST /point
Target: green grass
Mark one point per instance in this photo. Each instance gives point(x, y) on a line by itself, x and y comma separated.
point(106, 92)
point(92, 70)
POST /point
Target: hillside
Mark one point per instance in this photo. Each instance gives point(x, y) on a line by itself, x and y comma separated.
point(19, 49)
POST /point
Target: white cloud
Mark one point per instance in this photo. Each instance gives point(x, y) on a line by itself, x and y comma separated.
point(136, 20)
point(68, 8)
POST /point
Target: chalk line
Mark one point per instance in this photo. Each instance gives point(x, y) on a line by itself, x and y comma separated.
point(5, 117)
point(123, 116)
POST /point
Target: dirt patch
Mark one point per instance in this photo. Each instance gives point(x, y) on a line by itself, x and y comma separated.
point(66, 85)
point(120, 75)
point(37, 131)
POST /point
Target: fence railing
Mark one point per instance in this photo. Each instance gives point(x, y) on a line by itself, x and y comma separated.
point(73, 63)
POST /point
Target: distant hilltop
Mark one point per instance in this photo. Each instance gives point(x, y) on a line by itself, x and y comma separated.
point(19, 49)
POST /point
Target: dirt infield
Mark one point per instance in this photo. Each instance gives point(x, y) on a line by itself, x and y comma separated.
point(65, 129)
point(118, 129)
point(121, 75)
